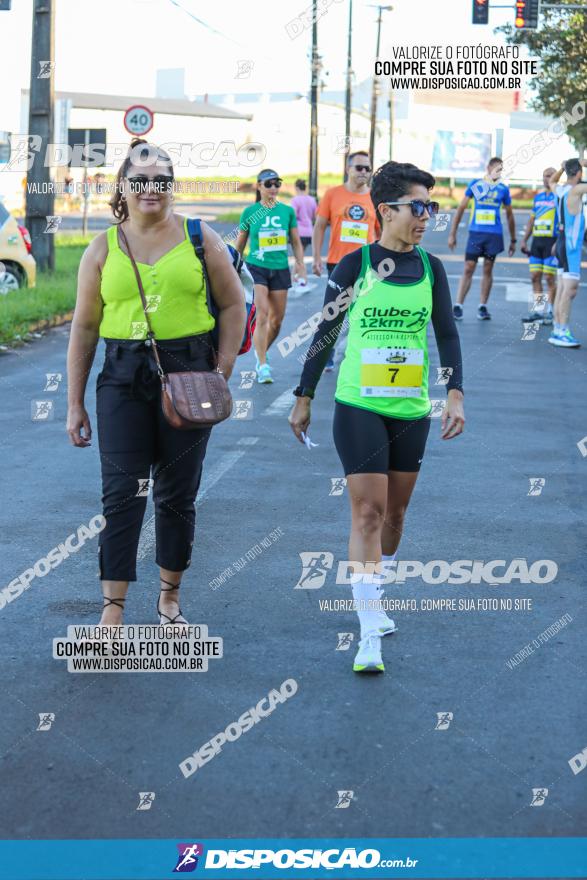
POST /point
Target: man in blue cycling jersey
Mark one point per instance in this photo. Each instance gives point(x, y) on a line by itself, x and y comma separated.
point(569, 246)
point(485, 233)
point(542, 225)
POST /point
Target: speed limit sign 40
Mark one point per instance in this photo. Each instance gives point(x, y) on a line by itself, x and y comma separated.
point(138, 119)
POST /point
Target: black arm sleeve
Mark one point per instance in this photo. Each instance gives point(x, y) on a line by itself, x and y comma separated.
point(340, 286)
point(445, 328)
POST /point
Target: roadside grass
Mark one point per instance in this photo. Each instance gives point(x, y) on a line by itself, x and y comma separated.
point(53, 296)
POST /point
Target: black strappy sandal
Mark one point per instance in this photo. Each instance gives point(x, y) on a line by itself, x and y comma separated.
point(109, 601)
point(172, 620)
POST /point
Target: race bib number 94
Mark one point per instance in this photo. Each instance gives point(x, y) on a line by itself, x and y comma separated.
point(272, 240)
point(354, 232)
point(392, 372)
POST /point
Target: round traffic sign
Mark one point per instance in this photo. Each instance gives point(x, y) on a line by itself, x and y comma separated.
point(138, 119)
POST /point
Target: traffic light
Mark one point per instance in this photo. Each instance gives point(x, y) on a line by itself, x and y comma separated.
point(480, 11)
point(527, 12)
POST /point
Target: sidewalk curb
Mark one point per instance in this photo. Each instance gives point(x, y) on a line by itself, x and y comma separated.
point(44, 324)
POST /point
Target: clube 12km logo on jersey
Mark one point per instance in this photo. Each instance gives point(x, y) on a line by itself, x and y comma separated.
point(190, 854)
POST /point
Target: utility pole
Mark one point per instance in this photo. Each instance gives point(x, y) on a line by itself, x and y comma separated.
point(348, 101)
point(313, 188)
point(40, 204)
point(375, 90)
point(391, 109)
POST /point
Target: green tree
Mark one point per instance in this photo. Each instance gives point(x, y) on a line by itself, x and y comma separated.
point(560, 44)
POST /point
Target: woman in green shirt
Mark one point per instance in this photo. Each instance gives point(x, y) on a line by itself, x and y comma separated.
point(269, 225)
point(139, 449)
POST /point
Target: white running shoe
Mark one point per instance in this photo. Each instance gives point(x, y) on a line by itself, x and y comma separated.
point(368, 658)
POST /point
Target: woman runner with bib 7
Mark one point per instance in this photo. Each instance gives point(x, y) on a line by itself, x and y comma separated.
point(392, 290)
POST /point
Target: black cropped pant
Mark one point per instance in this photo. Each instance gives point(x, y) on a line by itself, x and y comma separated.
point(138, 445)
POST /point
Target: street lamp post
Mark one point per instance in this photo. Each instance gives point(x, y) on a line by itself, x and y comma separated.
point(348, 101)
point(313, 181)
point(375, 88)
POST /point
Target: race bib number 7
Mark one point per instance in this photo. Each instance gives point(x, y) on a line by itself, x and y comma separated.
point(272, 240)
point(392, 372)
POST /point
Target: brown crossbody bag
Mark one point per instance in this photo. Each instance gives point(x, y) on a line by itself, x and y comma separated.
point(189, 400)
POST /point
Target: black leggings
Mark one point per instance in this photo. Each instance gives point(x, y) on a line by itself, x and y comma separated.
point(137, 444)
point(369, 443)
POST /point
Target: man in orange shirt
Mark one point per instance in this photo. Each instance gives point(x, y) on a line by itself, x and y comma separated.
point(350, 213)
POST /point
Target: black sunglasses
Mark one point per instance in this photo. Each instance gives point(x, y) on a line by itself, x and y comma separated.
point(141, 183)
point(418, 207)
point(275, 182)
point(361, 167)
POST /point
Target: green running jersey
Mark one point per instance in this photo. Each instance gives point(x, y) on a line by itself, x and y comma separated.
point(385, 366)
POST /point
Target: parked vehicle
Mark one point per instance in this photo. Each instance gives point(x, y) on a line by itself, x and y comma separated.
point(17, 264)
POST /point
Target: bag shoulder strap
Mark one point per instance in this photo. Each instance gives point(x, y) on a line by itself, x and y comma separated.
point(150, 335)
point(195, 233)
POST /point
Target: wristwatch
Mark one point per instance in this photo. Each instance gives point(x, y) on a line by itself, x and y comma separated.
point(300, 391)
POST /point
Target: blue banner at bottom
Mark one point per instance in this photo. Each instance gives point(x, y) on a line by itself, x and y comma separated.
point(303, 858)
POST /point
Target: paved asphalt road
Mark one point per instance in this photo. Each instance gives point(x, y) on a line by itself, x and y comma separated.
point(115, 735)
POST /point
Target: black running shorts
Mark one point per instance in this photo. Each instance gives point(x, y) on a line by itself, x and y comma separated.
point(369, 443)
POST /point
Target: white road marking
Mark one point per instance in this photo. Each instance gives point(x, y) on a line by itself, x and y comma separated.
point(280, 405)
point(517, 291)
point(210, 477)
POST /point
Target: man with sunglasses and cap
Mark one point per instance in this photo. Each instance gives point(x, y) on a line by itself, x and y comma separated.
point(349, 212)
point(269, 225)
point(392, 290)
point(485, 233)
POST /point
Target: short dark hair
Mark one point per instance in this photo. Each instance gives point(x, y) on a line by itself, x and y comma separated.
point(394, 179)
point(301, 184)
point(495, 160)
point(572, 167)
point(351, 156)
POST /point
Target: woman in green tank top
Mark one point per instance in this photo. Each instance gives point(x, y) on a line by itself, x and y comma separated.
point(139, 451)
